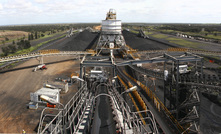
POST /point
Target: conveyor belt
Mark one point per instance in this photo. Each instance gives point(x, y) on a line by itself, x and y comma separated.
point(195, 51)
point(44, 53)
point(138, 101)
point(103, 121)
point(160, 107)
point(162, 123)
point(150, 73)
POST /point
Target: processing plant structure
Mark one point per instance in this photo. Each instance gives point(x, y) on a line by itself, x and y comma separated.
point(114, 98)
point(111, 37)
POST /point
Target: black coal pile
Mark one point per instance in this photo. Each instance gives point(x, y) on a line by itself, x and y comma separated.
point(80, 42)
point(210, 118)
point(142, 44)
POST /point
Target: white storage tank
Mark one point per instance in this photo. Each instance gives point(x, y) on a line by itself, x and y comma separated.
point(113, 26)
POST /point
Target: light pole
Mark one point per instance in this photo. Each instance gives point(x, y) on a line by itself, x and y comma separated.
point(50, 100)
point(113, 80)
point(80, 79)
point(129, 90)
point(127, 108)
point(145, 79)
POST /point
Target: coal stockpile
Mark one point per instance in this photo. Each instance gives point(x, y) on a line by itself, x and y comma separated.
point(142, 44)
point(79, 42)
point(210, 118)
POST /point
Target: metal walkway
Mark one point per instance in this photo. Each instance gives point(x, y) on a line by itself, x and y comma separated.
point(44, 53)
point(194, 51)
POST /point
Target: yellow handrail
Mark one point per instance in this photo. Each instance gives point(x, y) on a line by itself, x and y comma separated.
point(126, 87)
point(159, 105)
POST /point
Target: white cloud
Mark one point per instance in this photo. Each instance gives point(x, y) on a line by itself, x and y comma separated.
point(21, 7)
point(1, 6)
point(187, 11)
point(20, 4)
point(41, 1)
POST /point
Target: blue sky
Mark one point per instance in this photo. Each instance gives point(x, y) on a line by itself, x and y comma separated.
point(75, 11)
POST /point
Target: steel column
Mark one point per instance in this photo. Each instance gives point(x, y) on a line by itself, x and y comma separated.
point(177, 89)
point(164, 96)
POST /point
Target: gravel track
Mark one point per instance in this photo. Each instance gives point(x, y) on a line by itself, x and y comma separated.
point(35, 42)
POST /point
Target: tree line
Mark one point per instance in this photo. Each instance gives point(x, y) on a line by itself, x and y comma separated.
point(192, 27)
point(12, 48)
point(35, 32)
point(46, 27)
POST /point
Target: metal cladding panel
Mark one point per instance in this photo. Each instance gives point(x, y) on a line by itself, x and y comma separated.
point(111, 25)
point(111, 28)
point(108, 32)
point(111, 22)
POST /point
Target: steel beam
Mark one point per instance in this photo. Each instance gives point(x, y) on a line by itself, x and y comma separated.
point(134, 62)
point(34, 55)
point(191, 59)
point(97, 57)
point(170, 57)
point(96, 64)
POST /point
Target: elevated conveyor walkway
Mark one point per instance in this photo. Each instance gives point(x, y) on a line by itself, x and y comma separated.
point(44, 53)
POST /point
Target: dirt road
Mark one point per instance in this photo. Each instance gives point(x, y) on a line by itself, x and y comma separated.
point(16, 86)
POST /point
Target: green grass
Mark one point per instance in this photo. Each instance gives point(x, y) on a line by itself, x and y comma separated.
point(183, 42)
point(214, 37)
point(202, 34)
point(136, 32)
point(46, 35)
point(161, 36)
point(168, 31)
point(10, 65)
point(25, 51)
point(178, 41)
point(174, 39)
point(10, 41)
point(148, 33)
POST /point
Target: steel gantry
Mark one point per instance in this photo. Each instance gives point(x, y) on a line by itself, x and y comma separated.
point(93, 61)
point(194, 51)
point(173, 91)
point(188, 114)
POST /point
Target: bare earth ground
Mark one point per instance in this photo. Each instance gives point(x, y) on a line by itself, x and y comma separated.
point(16, 86)
point(12, 34)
